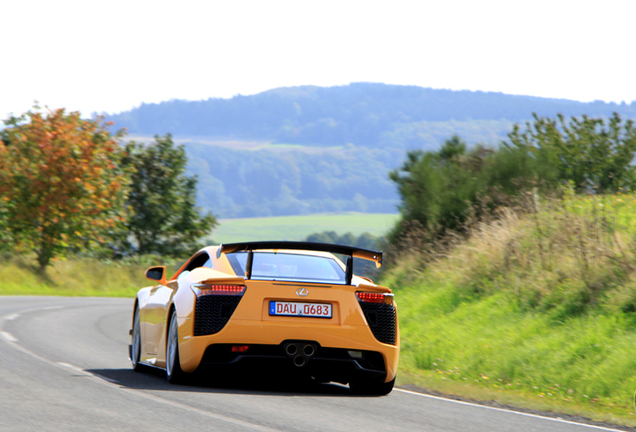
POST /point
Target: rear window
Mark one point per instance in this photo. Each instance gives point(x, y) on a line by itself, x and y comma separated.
point(289, 267)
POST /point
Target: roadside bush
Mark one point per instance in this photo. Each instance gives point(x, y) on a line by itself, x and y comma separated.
point(453, 188)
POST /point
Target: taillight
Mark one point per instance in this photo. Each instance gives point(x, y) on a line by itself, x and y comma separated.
point(239, 348)
point(227, 290)
point(368, 297)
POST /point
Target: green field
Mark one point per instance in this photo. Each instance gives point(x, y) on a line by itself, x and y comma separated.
point(299, 227)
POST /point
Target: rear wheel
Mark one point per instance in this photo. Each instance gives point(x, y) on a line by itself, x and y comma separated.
point(363, 387)
point(135, 352)
point(173, 364)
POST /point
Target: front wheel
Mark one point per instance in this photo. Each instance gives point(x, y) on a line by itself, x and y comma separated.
point(173, 364)
point(363, 387)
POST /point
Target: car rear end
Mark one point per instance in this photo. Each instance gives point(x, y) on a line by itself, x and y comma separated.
point(329, 330)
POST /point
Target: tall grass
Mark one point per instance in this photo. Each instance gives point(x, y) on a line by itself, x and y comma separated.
point(75, 277)
point(538, 305)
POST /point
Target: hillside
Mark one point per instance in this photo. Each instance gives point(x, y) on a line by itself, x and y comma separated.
point(305, 150)
point(534, 310)
point(361, 113)
point(266, 182)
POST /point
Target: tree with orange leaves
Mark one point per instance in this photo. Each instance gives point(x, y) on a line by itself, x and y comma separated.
point(62, 187)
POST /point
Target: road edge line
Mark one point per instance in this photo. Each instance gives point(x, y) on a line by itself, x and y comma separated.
point(507, 410)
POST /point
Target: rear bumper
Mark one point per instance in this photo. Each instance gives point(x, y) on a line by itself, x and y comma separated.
point(193, 350)
point(323, 364)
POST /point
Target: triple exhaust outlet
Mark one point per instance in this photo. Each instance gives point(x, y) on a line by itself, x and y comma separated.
point(300, 352)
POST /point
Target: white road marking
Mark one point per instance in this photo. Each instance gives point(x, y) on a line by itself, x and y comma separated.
point(221, 417)
point(505, 410)
point(143, 394)
point(8, 336)
point(51, 308)
point(73, 368)
point(11, 317)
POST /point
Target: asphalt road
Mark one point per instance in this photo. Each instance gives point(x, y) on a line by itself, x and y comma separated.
point(64, 367)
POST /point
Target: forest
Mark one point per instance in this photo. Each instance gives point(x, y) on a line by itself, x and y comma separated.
point(329, 149)
point(363, 114)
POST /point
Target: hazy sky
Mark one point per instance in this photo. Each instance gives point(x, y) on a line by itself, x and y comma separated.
point(110, 56)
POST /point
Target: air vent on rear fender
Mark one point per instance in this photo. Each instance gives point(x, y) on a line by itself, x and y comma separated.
point(213, 312)
point(381, 319)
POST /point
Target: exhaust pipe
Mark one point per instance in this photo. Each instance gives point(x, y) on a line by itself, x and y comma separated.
point(300, 352)
point(309, 350)
point(291, 350)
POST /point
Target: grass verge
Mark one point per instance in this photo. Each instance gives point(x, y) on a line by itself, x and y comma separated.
point(536, 311)
point(75, 277)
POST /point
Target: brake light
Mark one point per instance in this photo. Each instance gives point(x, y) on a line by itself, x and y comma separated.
point(368, 297)
point(231, 290)
point(239, 348)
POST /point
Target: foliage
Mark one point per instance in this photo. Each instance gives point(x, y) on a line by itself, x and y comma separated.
point(304, 150)
point(61, 185)
point(441, 190)
point(595, 155)
point(537, 304)
point(163, 217)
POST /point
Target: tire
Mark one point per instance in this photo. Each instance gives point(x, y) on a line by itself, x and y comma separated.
point(371, 388)
point(135, 352)
point(173, 364)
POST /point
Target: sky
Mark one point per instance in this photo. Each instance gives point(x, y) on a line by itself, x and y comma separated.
point(111, 56)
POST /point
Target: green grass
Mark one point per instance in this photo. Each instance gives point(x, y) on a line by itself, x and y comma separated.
point(535, 311)
point(75, 277)
point(299, 227)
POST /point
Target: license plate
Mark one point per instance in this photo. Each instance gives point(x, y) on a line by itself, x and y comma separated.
point(314, 310)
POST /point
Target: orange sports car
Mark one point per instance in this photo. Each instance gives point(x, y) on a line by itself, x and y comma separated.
point(292, 305)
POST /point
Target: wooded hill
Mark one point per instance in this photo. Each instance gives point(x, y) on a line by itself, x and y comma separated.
point(310, 149)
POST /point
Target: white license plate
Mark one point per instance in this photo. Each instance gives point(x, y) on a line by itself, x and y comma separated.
point(315, 310)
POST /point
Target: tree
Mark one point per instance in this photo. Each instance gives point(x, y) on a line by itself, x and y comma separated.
point(163, 216)
point(365, 240)
point(61, 185)
point(595, 155)
point(440, 190)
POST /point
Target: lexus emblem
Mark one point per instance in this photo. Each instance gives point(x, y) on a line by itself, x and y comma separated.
point(302, 292)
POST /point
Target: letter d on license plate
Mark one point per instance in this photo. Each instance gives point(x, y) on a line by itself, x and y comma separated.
point(313, 310)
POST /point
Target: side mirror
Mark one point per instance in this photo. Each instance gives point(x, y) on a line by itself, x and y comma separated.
point(157, 274)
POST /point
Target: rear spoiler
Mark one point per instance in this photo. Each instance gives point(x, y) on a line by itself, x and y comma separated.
point(350, 252)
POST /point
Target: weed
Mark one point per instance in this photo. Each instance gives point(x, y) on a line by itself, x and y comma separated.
point(76, 276)
point(538, 300)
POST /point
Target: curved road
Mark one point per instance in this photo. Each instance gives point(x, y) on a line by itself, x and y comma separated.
point(64, 367)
